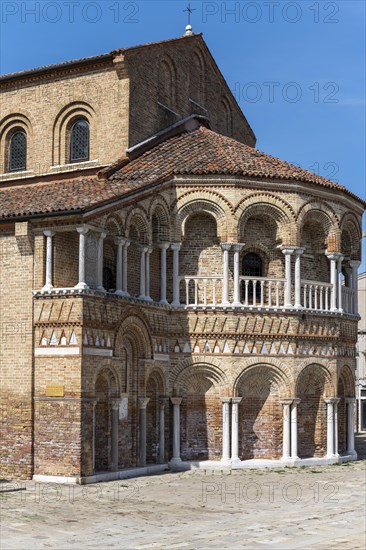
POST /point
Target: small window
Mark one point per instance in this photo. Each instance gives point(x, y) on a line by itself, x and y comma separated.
point(79, 141)
point(18, 151)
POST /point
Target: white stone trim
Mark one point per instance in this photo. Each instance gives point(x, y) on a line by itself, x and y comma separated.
point(57, 351)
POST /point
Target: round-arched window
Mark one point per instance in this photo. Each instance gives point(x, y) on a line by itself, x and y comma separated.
point(79, 141)
point(18, 151)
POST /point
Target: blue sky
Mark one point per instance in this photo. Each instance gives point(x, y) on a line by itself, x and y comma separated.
point(297, 69)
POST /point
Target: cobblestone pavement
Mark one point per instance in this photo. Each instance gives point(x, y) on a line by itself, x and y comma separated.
point(320, 508)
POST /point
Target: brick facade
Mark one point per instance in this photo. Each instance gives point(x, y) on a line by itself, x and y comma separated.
point(81, 368)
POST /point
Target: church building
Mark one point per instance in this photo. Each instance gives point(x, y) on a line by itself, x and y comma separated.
point(170, 296)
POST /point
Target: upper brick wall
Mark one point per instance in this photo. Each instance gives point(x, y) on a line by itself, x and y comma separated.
point(126, 96)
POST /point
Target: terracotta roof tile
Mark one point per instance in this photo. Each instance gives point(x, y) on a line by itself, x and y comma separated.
point(198, 152)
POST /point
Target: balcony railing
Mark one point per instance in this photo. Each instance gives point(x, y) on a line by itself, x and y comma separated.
point(261, 292)
point(316, 295)
point(202, 291)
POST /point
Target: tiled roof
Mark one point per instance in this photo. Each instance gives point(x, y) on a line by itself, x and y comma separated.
point(197, 152)
point(203, 151)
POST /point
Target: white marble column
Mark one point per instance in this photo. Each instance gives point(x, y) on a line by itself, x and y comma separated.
point(225, 283)
point(147, 275)
point(163, 248)
point(125, 268)
point(298, 252)
point(339, 282)
point(288, 251)
point(333, 258)
point(119, 241)
point(176, 298)
point(82, 254)
point(332, 426)
point(294, 405)
point(176, 428)
point(114, 433)
point(101, 238)
point(49, 260)
point(350, 425)
point(143, 401)
point(354, 265)
point(225, 428)
point(286, 435)
point(237, 249)
point(143, 272)
point(235, 427)
point(94, 402)
point(162, 403)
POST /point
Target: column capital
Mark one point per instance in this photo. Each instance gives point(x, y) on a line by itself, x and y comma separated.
point(298, 251)
point(163, 245)
point(143, 401)
point(225, 399)
point(143, 247)
point(150, 249)
point(288, 249)
point(286, 401)
point(175, 246)
point(295, 400)
point(176, 400)
point(330, 400)
point(115, 402)
point(350, 400)
point(225, 246)
point(120, 240)
point(103, 234)
point(237, 247)
point(354, 263)
point(82, 229)
point(163, 401)
point(236, 400)
point(49, 233)
point(334, 255)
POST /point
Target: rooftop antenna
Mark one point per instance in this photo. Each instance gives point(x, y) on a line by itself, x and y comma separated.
point(189, 11)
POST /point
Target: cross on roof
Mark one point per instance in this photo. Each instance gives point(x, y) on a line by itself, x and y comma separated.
point(190, 11)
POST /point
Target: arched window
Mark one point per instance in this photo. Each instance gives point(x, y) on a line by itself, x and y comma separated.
point(252, 267)
point(18, 151)
point(79, 141)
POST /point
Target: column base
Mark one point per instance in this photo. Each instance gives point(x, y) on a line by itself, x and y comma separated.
point(164, 302)
point(82, 286)
point(175, 304)
point(235, 304)
point(101, 289)
point(47, 288)
point(226, 460)
point(225, 304)
point(120, 293)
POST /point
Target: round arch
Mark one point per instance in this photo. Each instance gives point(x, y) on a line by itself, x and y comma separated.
point(267, 205)
point(63, 122)
point(202, 201)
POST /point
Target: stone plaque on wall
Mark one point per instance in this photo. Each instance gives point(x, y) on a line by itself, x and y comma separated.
point(54, 390)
